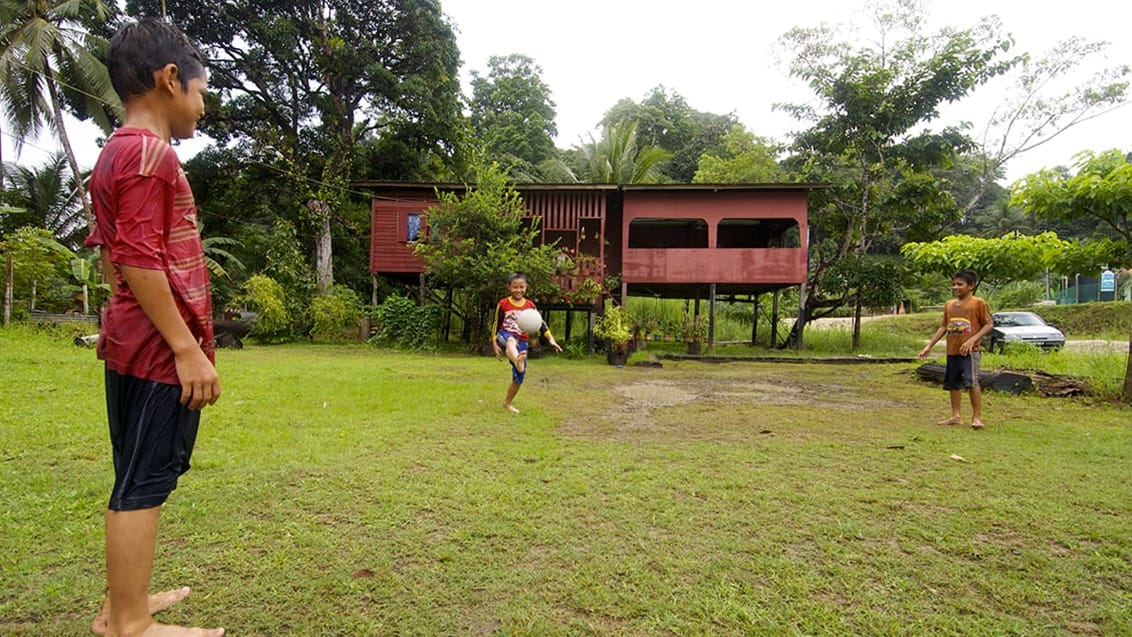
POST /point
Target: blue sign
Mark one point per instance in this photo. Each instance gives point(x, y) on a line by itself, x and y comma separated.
point(1108, 281)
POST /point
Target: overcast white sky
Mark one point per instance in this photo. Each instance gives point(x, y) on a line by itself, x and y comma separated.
point(721, 56)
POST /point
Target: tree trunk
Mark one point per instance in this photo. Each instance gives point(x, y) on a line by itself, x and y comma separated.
point(799, 328)
point(56, 107)
point(1128, 374)
point(31, 302)
point(856, 324)
point(8, 290)
point(323, 250)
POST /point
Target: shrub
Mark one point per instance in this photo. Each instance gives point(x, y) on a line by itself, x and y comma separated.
point(336, 313)
point(403, 323)
point(265, 297)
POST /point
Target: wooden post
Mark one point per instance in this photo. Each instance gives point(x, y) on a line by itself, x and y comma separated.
point(711, 318)
point(800, 322)
point(754, 319)
point(569, 325)
point(774, 320)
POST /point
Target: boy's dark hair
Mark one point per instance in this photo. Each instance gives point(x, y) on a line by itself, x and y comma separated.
point(969, 276)
point(140, 48)
point(514, 276)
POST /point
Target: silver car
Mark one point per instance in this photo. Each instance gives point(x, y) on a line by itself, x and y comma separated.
point(1024, 327)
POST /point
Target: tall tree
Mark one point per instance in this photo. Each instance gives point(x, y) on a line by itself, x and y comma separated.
point(49, 60)
point(867, 136)
point(512, 114)
point(1039, 107)
point(666, 120)
point(309, 82)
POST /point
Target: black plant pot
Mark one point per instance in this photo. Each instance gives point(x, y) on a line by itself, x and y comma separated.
point(617, 357)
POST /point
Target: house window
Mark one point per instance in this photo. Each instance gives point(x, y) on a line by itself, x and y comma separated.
point(668, 233)
point(414, 227)
point(758, 233)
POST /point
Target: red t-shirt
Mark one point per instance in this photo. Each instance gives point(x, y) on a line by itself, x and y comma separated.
point(146, 218)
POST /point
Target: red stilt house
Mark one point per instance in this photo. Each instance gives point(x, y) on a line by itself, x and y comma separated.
point(669, 240)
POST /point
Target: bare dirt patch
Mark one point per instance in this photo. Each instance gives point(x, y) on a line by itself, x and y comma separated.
point(713, 408)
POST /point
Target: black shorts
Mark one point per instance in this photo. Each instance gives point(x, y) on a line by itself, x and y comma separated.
point(962, 371)
point(152, 435)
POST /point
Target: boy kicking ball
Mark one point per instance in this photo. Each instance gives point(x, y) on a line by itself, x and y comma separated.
point(508, 337)
point(966, 320)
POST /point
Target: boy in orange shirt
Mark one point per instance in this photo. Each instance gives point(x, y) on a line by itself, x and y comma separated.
point(966, 320)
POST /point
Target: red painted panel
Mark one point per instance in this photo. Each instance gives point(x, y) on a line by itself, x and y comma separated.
point(750, 265)
point(714, 265)
point(389, 250)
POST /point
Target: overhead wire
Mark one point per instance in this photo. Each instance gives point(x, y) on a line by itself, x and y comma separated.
point(289, 174)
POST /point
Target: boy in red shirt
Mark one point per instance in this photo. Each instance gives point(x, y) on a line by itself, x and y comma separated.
point(156, 335)
point(507, 337)
point(966, 320)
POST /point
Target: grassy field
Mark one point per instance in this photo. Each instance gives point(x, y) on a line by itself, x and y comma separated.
point(341, 490)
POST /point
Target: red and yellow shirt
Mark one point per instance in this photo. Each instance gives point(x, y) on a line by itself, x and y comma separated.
point(506, 311)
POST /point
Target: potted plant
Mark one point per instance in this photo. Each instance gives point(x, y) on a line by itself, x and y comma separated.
point(695, 331)
point(616, 328)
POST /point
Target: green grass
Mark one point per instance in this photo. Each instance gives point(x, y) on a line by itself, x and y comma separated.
point(342, 490)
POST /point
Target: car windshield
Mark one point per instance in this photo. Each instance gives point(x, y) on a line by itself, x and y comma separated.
point(1015, 320)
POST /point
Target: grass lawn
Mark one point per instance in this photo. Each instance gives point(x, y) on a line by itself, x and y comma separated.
point(341, 490)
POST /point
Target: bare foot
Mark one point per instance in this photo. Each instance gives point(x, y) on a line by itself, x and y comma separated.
point(521, 362)
point(977, 424)
point(954, 420)
point(157, 603)
point(511, 408)
point(165, 630)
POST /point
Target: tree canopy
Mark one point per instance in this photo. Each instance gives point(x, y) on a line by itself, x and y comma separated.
point(512, 114)
point(666, 120)
point(1100, 191)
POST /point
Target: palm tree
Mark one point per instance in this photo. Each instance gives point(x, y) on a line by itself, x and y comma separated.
point(1000, 219)
point(617, 159)
point(48, 195)
point(48, 57)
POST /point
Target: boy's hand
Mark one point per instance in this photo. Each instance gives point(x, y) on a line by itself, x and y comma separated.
point(925, 352)
point(495, 348)
point(200, 384)
point(556, 346)
point(966, 346)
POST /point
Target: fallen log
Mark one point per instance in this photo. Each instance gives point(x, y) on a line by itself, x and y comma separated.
point(1060, 386)
point(1015, 382)
point(1009, 382)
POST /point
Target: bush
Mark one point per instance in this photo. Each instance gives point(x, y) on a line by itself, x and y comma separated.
point(336, 313)
point(403, 323)
point(265, 297)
